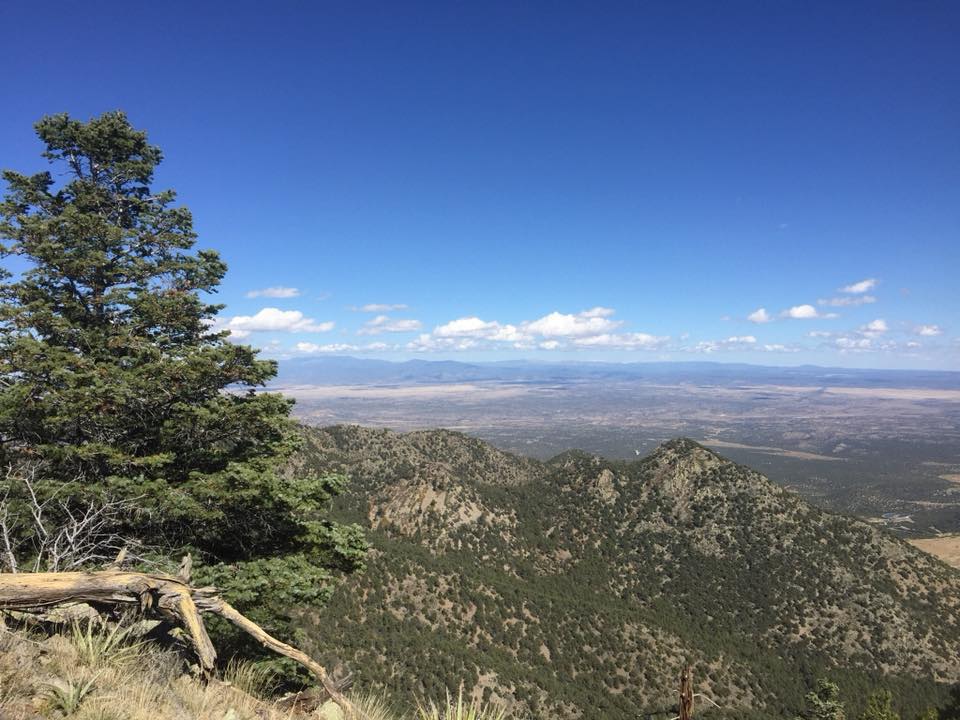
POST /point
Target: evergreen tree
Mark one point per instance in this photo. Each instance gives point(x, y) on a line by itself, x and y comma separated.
point(114, 384)
point(823, 702)
point(879, 707)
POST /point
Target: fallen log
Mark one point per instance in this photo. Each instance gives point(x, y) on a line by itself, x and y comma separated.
point(170, 597)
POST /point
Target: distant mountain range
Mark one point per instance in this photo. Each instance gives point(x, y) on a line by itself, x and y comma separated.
point(339, 370)
point(580, 587)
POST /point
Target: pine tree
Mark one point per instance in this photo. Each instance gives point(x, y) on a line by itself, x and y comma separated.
point(823, 702)
point(879, 707)
point(114, 383)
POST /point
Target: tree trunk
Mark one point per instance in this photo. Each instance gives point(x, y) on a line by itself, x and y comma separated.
point(686, 694)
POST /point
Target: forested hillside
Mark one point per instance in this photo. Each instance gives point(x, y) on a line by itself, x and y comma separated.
point(580, 587)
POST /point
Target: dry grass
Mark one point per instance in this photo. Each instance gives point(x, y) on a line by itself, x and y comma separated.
point(106, 674)
point(94, 672)
point(945, 547)
point(374, 706)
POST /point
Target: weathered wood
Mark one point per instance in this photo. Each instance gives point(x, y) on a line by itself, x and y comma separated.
point(168, 596)
point(185, 573)
point(121, 558)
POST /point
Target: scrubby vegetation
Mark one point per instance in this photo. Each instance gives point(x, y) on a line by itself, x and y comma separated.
point(96, 670)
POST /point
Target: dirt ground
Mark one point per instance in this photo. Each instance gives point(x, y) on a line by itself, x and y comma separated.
point(947, 548)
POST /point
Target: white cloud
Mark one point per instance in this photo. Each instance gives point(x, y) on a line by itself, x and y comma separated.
point(760, 315)
point(735, 342)
point(589, 322)
point(866, 338)
point(379, 307)
point(858, 288)
point(510, 333)
point(309, 347)
point(474, 327)
point(555, 325)
point(428, 343)
point(780, 348)
point(874, 328)
point(384, 323)
point(847, 301)
point(590, 328)
point(928, 330)
point(275, 292)
point(801, 312)
point(467, 327)
point(598, 312)
point(274, 320)
point(621, 341)
point(423, 343)
point(855, 344)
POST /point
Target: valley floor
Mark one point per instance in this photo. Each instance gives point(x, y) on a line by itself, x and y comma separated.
point(946, 547)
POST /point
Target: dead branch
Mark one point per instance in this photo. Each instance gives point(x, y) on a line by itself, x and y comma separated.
point(185, 573)
point(154, 594)
point(5, 521)
point(118, 562)
point(82, 534)
point(704, 697)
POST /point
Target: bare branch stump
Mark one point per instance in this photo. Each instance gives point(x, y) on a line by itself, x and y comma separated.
point(686, 694)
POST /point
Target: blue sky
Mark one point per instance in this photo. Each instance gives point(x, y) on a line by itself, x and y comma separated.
point(604, 181)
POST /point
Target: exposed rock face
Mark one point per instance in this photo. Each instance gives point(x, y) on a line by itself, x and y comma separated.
point(605, 488)
point(411, 505)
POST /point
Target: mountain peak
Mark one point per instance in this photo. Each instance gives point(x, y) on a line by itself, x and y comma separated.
point(683, 459)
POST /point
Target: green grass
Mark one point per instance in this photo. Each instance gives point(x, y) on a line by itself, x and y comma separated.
point(67, 696)
point(98, 645)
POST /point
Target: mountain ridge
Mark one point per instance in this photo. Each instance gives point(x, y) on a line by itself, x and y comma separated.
point(339, 369)
point(527, 578)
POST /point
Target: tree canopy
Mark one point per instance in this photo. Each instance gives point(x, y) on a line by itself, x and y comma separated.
point(823, 702)
point(114, 382)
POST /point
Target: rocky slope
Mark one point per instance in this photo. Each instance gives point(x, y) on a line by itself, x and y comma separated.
point(580, 587)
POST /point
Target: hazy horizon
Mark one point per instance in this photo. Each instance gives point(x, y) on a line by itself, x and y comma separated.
point(574, 360)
